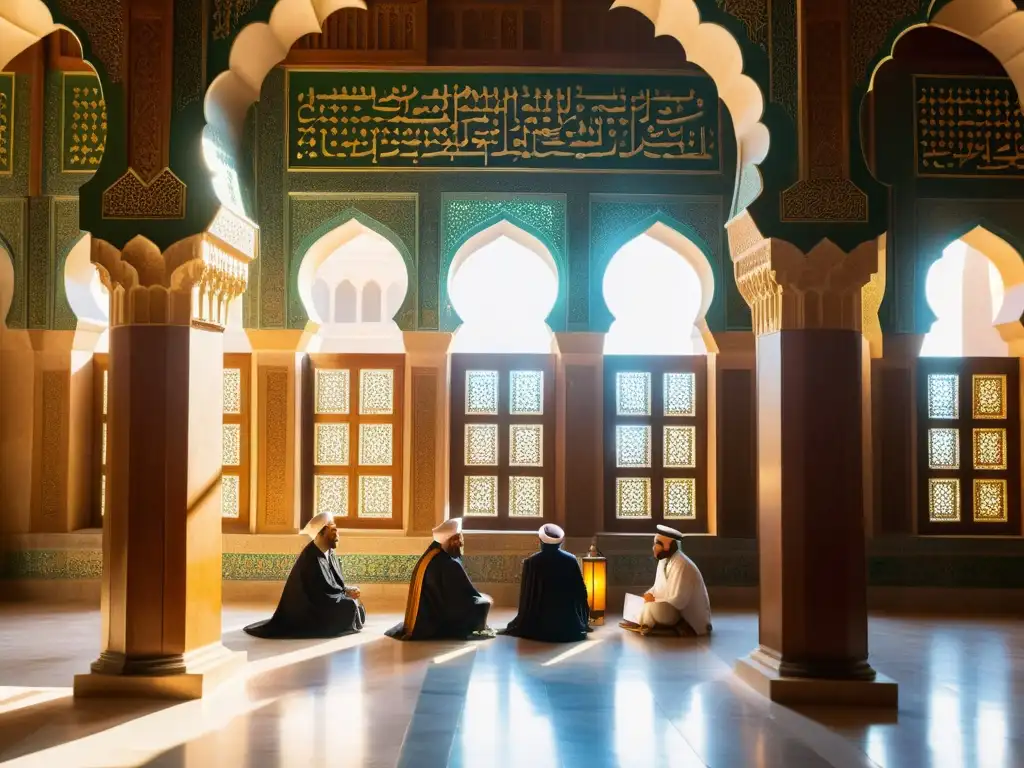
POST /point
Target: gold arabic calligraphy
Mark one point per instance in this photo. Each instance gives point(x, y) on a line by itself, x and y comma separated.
point(401, 125)
point(969, 130)
point(6, 121)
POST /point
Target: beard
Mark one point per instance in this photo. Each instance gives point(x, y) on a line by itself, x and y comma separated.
point(668, 552)
point(454, 549)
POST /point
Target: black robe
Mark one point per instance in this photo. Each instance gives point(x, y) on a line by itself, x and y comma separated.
point(552, 598)
point(314, 603)
point(443, 604)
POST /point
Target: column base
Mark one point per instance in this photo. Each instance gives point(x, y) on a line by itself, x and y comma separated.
point(880, 693)
point(202, 672)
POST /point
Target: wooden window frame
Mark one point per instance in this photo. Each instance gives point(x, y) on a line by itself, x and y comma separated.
point(100, 370)
point(965, 368)
point(240, 524)
point(355, 363)
point(657, 366)
point(504, 364)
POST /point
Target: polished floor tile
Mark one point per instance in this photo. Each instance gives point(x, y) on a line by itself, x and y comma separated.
point(614, 700)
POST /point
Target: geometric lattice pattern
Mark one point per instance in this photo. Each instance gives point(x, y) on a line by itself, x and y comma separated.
point(990, 449)
point(943, 396)
point(525, 445)
point(232, 444)
point(375, 445)
point(482, 393)
point(103, 444)
point(990, 501)
point(375, 496)
point(229, 496)
point(376, 391)
point(944, 448)
point(331, 445)
point(232, 391)
point(680, 498)
point(632, 497)
point(106, 376)
point(989, 396)
point(527, 393)
point(944, 500)
point(526, 496)
point(680, 394)
point(680, 447)
point(633, 393)
point(332, 391)
point(632, 446)
point(481, 445)
point(330, 495)
point(481, 496)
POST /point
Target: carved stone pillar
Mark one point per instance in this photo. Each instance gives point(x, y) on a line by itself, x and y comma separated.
point(810, 375)
point(161, 598)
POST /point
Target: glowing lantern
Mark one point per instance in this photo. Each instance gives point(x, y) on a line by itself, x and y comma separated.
point(595, 574)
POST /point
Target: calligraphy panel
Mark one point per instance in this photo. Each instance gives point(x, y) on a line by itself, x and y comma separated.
point(6, 123)
point(363, 121)
point(968, 127)
point(83, 124)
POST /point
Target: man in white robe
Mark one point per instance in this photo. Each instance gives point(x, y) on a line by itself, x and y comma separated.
point(678, 601)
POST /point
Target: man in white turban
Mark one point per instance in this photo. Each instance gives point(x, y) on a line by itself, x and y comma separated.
point(315, 601)
point(678, 601)
point(443, 603)
point(553, 604)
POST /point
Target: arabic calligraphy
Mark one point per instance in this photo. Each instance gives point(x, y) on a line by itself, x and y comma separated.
point(541, 121)
point(85, 123)
point(6, 122)
point(968, 127)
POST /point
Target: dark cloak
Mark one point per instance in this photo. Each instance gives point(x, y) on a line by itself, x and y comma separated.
point(314, 603)
point(443, 604)
point(552, 598)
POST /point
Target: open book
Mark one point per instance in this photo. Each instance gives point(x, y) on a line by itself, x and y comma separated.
point(633, 608)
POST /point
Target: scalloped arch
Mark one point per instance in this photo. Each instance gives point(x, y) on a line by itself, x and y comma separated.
point(996, 25)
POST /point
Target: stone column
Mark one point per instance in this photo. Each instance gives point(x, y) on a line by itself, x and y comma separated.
point(161, 590)
point(810, 377)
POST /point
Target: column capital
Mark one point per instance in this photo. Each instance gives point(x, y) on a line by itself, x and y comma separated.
point(788, 290)
point(191, 283)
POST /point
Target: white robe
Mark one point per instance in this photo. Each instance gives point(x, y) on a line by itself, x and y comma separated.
point(679, 590)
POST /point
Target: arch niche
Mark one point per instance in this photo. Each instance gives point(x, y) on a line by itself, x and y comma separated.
point(352, 282)
point(976, 291)
point(659, 286)
point(503, 284)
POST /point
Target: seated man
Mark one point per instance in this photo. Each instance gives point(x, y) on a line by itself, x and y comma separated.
point(315, 601)
point(443, 604)
point(552, 595)
point(678, 601)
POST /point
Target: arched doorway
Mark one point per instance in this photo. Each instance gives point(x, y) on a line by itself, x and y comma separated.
point(658, 286)
point(353, 281)
point(968, 390)
point(503, 283)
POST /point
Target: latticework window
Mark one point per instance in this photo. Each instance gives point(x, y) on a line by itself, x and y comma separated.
point(968, 446)
point(234, 488)
point(655, 443)
point(355, 439)
point(502, 440)
point(101, 390)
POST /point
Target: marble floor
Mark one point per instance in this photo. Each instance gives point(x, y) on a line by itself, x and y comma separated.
point(615, 700)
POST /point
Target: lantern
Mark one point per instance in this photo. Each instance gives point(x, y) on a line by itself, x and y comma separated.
point(595, 575)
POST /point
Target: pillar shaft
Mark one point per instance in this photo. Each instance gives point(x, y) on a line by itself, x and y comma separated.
point(162, 542)
point(813, 617)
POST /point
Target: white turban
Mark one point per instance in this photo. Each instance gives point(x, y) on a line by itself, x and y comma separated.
point(447, 529)
point(319, 521)
point(551, 534)
point(669, 533)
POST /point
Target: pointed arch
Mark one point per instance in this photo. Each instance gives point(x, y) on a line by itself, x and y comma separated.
point(370, 304)
point(6, 281)
point(486, 232)
point(333, 234)
point(346, 302)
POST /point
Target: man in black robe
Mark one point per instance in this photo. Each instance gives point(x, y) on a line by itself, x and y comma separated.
point(553, 604)
point(443, 604)
point(315, 601)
